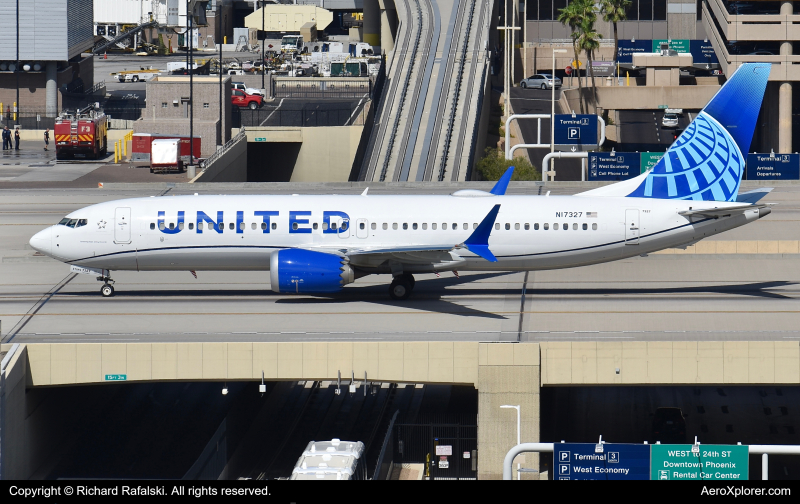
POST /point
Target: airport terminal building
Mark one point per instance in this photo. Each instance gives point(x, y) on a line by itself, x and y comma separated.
point(719, 34)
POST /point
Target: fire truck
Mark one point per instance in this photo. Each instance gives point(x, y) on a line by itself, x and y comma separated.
point(82, 134)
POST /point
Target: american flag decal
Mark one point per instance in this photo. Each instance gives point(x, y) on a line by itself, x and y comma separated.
point(591, 214)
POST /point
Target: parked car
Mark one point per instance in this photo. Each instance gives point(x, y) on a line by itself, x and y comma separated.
point(242, 99)
point(669, 425)
point(247, 66)
point(242, 87)
point(541, 81)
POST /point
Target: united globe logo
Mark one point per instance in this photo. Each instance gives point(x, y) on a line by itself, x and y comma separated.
point(704, 164)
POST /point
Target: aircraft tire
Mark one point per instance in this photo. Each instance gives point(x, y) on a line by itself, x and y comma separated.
point(410, 279)
point(107, 290)
point(400, 289)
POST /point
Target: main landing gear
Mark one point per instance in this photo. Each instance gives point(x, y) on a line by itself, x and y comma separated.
point(401, 287)
point(107, 290)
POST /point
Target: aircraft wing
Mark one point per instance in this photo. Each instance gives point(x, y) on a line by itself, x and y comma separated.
point(716, 213)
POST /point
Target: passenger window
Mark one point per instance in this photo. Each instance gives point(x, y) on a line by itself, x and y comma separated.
point(200, 226)
point(191, 226)
point(444, 226)
point(508, 226)
point(180, 225)
point(565, 226)
point(424, 226)
point(454, 226)
point(374, 226)
point(574, 226)
point(555, 226)
point(230, 226)
point(253, 225)
point(295, 226)
point(241, 226)
point(516, 226)
point(594, 227)
point(385, 226)
point(497, 225)
point(161, 226)
point(394, 226)
point(333, 225)
point(527, 227)
point(414, 226)
point(152, 225)
point(263, 225)
point(324, 226)
point(405, 226)
point(474, 225)
point(433, 226)
point(466, 226)
point(585, 227)
point(274, 226)
point(361, 225)
point(172, 225)
point(546, 226)
point(315, 225)
point(536, 227)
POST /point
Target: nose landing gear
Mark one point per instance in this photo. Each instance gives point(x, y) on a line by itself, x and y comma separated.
point(107, 290)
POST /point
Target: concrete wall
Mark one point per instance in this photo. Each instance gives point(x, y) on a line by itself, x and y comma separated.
point(504, 374)
point(326, 155)
point(230, 167)
point(643, 97)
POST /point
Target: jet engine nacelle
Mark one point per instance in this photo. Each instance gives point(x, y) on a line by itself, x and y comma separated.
point(305, 271)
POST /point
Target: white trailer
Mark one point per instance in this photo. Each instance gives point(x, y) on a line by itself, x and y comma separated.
point(165, 155)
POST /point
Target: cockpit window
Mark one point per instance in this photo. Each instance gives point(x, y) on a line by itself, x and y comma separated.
point(73, 223)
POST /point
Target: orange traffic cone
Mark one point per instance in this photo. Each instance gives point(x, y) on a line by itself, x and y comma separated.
point(105, 55)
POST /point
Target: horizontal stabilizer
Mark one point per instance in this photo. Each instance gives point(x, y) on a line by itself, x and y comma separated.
point(753, 196)
point(715, 213)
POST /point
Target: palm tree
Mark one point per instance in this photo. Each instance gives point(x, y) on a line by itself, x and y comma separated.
point(574, 15)
point(589, 41)
point(614, 11)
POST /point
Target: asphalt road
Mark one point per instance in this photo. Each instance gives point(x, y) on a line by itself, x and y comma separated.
point(659, 297)
point(641, 130)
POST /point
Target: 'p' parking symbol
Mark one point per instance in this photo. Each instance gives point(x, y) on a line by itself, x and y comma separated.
point(563, 456)
point(574, 133)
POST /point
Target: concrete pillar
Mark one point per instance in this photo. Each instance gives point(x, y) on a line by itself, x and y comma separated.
point(372, 23)
point(785, 118)
point(388, 25)
point(507, 375)
point(51, 89)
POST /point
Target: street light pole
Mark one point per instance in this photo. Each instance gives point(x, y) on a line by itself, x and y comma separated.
point(553, 106)
point(263, 39)
point(218, 20)
point(507, 406)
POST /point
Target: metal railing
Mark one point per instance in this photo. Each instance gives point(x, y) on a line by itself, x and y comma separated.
point(386, 456)
point(309, 87)
point(306, 117)
point(225, 148)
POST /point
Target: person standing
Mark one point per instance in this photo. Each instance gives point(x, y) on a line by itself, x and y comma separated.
point(16, 139)
point(46, 138)
point(6, 138)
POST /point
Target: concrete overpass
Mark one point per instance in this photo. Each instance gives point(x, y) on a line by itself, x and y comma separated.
point(503, 373)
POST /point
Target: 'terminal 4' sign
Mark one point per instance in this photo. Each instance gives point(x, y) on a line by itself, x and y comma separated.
point(583, 461)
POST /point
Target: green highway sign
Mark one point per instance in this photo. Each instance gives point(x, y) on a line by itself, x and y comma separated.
point(649, 160)
point(260, 139)
point(116, 377)
point(677, 45)
point(698, 462)
point(662, 107)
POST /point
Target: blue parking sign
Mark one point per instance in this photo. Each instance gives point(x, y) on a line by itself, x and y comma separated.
point(579, 130)
point(619, 166)
point(607, 461)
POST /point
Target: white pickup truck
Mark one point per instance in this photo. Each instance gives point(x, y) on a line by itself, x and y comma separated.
point(242, 87)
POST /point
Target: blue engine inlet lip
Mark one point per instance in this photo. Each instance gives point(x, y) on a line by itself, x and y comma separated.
point(299, 271)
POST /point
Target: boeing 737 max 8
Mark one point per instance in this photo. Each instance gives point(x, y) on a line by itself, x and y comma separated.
point(318, 244)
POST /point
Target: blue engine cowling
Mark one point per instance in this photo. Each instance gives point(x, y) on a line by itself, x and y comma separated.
point(305, 271)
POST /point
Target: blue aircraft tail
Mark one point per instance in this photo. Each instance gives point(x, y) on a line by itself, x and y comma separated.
point(707, 161)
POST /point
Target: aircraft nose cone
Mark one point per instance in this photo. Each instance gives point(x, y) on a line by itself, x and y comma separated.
point(42, 241)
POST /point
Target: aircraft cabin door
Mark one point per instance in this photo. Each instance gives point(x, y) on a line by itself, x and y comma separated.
point(631, 226)
point(362, 228)
point(122, 225)
point(343, 227)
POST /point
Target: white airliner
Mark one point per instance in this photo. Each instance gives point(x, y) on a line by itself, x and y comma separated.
point(317, 244)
